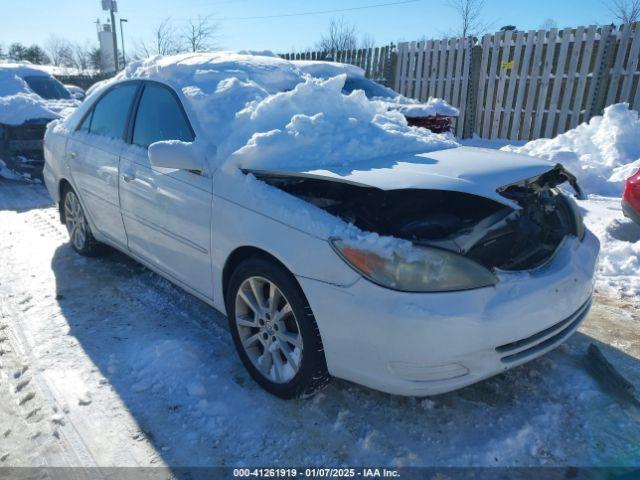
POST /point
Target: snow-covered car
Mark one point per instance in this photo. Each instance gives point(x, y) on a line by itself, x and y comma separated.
point(338, 240)
point(436, 114)
point(76, 92)
point(29, 99)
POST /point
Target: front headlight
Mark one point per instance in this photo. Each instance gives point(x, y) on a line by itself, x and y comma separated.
point(428, 269)
point(576, 216)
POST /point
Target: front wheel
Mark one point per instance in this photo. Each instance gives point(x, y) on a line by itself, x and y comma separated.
point(82, 240)
point(274, 330)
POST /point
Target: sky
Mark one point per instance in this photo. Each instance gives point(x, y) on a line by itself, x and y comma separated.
point(34, 21)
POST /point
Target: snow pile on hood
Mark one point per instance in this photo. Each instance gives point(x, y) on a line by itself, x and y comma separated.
point(18, 103)
point(315, 124)
point(262, 112)
point(601, 153)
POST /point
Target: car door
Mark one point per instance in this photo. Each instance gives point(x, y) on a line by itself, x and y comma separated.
point(93, 153)
point(166, 212)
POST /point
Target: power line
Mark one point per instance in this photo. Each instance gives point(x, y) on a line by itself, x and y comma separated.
point(321, 12)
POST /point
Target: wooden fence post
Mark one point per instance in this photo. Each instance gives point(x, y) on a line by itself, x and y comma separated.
point(602, 74)
point(390, 66)
point(472, 94)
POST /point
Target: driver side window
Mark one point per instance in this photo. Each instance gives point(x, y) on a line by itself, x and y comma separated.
point(160, 117)
point(108, 117)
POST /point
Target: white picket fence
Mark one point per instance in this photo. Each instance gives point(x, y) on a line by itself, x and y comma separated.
point(525, 85)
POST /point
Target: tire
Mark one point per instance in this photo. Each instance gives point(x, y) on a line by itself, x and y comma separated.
point(80, 236)
point(268, 342)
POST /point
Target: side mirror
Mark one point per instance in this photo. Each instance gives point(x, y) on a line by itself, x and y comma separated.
point(175, 154)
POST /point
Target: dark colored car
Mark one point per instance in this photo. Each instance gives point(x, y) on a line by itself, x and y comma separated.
point(31, 98)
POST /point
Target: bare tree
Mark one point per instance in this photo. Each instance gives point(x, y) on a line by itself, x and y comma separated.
point(367, 41)
point(340, 36)
point(470, 16)
point(81, 55)
point(626, 11)
point(165, 41)
point(59, 51)
point(200, 34)
point(548, 24)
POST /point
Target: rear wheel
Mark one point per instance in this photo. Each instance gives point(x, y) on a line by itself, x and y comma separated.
point(80, 236)
point(274, 330)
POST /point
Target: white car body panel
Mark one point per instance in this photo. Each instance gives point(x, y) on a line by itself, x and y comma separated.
point(426, 344)
point(94, 169)
point(185, 226)
point(167, 218)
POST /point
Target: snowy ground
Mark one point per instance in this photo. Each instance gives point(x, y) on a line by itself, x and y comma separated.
point(104, 363)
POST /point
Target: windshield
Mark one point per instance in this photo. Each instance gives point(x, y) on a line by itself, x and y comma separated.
point(47, 87)
point(371, 88)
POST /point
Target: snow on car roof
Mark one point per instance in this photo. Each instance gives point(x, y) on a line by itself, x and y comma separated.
point(18, 103)
point(23, 70)
point(263, 112)
point(324, 69)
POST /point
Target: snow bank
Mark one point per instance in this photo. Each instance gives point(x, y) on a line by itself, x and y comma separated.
point(601, 153)
point(619, 245)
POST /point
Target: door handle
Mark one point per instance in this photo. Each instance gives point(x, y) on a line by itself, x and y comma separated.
point(127, 178)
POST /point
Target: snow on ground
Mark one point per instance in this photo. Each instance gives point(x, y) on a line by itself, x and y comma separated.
point(602, 154)
point(105, 363)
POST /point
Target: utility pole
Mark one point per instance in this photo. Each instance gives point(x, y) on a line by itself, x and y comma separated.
point(112, 6)
point(124, 57)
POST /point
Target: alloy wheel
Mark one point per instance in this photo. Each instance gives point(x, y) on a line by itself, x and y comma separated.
point(75, 220)
point(268, 329)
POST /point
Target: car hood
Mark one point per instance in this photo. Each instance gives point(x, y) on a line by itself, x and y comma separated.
point(476, 171)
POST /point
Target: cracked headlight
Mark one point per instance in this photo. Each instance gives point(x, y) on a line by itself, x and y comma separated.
point(427, 269)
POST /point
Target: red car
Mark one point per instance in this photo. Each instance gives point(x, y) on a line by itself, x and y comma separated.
point(631, 198)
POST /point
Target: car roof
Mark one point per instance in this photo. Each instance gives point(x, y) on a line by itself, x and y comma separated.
point(325, 69)
point(23, 70)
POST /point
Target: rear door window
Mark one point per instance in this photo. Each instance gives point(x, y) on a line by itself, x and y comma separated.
point(160, 117)
point(109, 117)
point(47, 87)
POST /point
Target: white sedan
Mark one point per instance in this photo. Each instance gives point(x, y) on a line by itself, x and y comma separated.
point(413, 272)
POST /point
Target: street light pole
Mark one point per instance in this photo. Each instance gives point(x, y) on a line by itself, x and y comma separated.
point(115, 35)
point(124, 57)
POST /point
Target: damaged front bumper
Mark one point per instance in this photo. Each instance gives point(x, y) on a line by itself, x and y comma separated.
point(430, 343)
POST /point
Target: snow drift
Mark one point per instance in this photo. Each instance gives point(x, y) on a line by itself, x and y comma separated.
point(601, 153)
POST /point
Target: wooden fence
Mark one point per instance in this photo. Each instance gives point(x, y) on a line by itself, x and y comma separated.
point(376, 62)
point(512, 85)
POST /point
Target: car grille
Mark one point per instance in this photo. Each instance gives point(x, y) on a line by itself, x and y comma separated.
point(537, 342)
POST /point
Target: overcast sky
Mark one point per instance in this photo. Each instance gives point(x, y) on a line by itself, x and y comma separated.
point(33, 21)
